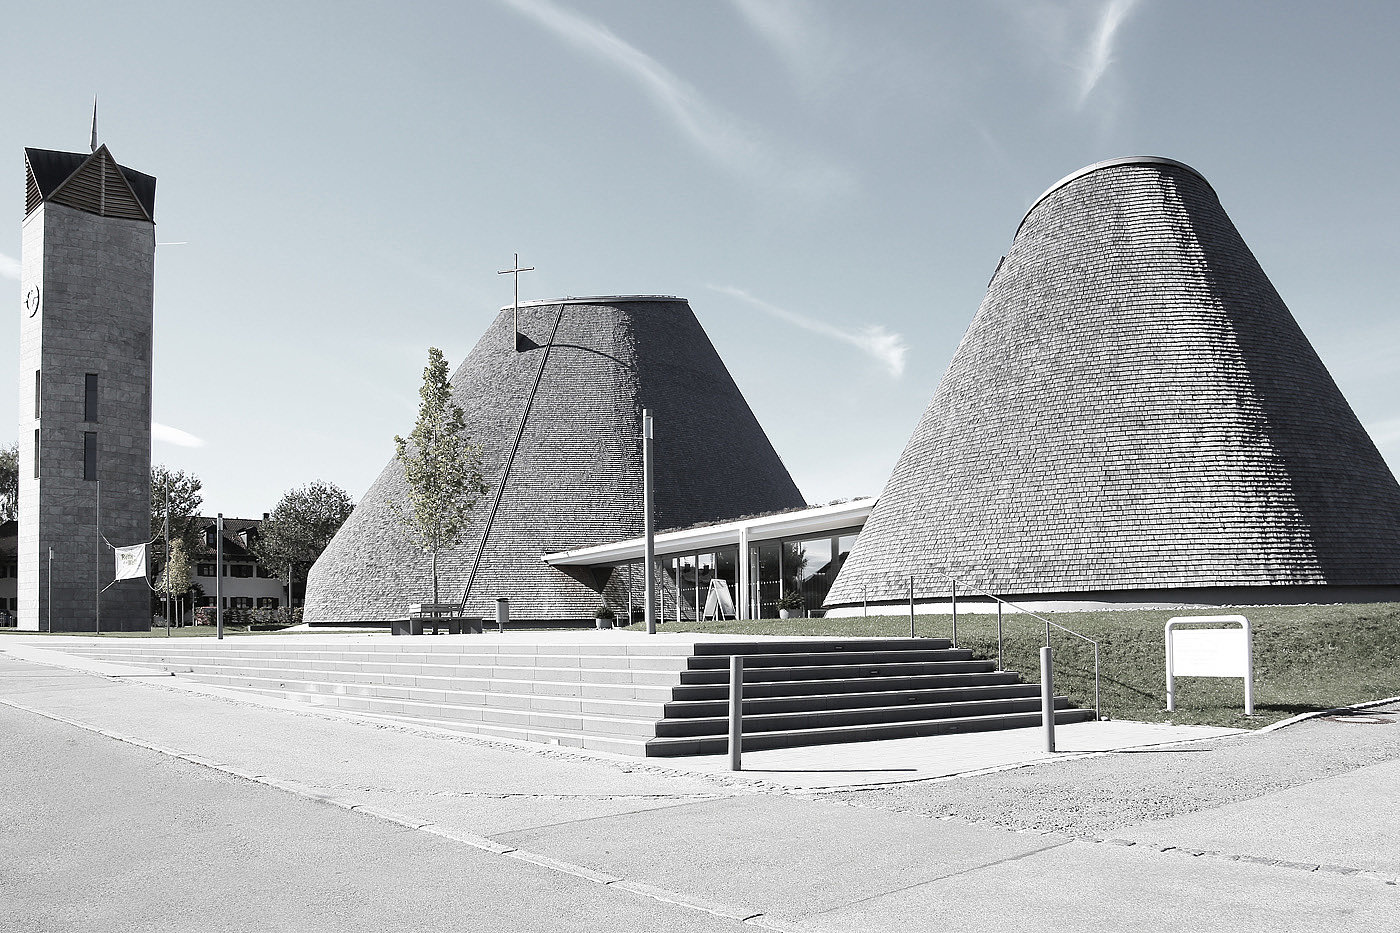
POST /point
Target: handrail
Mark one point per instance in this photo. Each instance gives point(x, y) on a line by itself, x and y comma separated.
point(1048, 625)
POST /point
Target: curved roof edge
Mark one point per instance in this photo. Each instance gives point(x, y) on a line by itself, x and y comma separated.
point(593, 300)
point(1109, 163)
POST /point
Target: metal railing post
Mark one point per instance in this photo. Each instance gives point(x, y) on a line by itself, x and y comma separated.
point(911, 605)
point(998, 634)
point(736, 712)
point(955, 613)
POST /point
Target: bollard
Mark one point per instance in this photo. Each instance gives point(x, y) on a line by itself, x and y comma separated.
point(502, 613)
point(736, 712)
point(1047, 698)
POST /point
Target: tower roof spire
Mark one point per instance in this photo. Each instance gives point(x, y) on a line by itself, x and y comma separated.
point(94, 123)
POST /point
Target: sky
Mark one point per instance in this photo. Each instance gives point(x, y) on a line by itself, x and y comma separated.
point(831, 185)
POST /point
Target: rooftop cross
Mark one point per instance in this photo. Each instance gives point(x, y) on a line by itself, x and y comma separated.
point(515, 271)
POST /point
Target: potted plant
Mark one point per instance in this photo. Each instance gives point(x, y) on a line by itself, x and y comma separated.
point(604, 617)
point(790, 602)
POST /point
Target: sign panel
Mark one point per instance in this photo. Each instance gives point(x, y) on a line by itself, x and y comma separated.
point(719, 603)
point(1206, 652)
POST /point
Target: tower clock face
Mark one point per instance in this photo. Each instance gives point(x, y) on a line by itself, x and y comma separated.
point(31, 300)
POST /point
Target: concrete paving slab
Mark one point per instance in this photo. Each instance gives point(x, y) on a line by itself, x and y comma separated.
point(858, 764)
point(1299, 824)
point(1087, 886)
point(778, 853)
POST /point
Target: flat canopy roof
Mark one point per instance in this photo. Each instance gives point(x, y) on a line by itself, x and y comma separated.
point(796, 524)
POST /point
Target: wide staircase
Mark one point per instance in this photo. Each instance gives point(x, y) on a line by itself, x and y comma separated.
point(634, 698)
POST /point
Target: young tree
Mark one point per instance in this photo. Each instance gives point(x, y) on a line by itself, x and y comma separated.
point(175, 578)
point(301, 526)
point(441, 466)
point(9, 482)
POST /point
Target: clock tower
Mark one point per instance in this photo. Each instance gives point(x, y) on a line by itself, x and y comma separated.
point(87, 277)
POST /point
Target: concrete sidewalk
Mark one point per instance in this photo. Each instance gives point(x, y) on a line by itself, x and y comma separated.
point(765, 848)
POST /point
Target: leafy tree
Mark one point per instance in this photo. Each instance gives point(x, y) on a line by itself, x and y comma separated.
point(185, 500)
point(300, 527)
point(441, 466)
point(9, 482)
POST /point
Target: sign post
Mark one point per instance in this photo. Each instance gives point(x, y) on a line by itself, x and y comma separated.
point(1210, 652)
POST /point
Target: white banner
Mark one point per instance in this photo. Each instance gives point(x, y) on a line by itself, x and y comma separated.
point(131, 562)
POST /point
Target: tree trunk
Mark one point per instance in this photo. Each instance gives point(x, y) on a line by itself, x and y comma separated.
point(435, 580)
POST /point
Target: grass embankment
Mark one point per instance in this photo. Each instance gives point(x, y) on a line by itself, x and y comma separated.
point(1306, 658)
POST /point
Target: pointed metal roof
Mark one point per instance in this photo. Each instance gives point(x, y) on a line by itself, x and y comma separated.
point(91, 182)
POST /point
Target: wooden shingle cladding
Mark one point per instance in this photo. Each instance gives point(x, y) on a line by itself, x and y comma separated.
point(1132, 408)
point(577, 479)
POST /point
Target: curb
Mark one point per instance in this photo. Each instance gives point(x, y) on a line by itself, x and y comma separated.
point(1301, 717)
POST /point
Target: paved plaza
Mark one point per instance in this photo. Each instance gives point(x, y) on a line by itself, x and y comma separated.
point(137, 802)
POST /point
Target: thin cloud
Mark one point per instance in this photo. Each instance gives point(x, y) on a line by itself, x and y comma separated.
point(1098, 54)
point(718, 134)
point(9, 268)
point(800, 38)
point(887, 348)
point(169, 435)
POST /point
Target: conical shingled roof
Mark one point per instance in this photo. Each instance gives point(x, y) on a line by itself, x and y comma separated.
point(1132, 408)
point(577, 479)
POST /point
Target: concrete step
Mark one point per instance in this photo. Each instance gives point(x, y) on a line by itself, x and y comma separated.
point(829, 658)
point(330, 660)
point(720, 690)
point(622, 707)
point(713, 745)
point(819, 645)
point(657, 693)
point(838, 671)
point(554, 721)
point(842, 718)
point(693, 709)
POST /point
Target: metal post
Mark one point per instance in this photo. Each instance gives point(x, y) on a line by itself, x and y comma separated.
point(1047, 698)
point(50, 583)
point(998, 634)
point(736, 712)
point(911, 605)
point(219, 575)
point(631, 616)
point(649, 524)
point(864, 602)
point(167, 558)
point(97, 580)
point(955, 613)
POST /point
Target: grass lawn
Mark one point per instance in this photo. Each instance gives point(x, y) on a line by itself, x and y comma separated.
point(1306, 658)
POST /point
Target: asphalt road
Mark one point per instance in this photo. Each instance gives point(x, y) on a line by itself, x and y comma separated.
point(100, 835)
point(105, 826)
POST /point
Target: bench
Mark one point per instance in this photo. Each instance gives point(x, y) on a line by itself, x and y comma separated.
point(447, 616)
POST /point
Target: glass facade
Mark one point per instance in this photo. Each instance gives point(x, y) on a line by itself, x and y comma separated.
point(802, 565)
point(684, 582)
